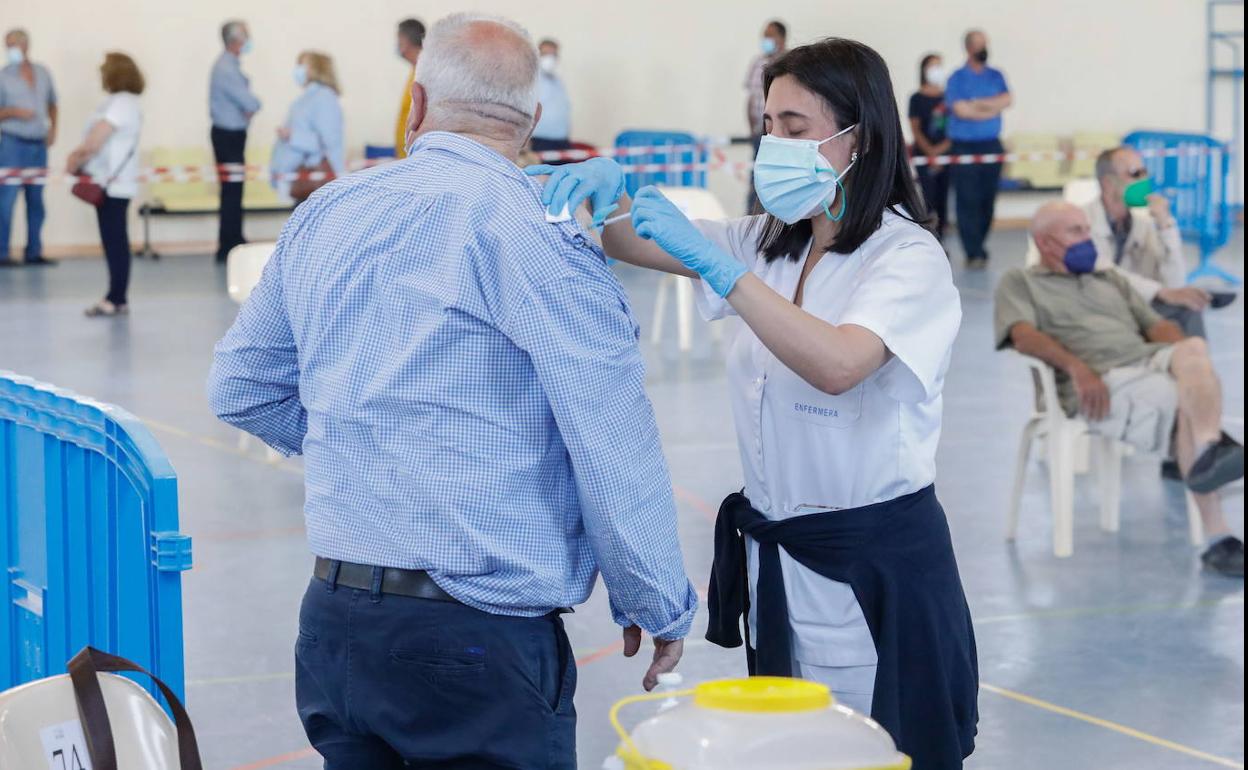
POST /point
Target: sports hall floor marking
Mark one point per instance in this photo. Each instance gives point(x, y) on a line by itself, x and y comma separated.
point(1130, 732)
point(702, 506)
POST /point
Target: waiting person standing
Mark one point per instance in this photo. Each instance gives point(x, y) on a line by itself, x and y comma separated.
point(555, 125)
point(773, 44)
point(927, 125)
point(311, 137)
point(411, 41)
point(975, 96)
point(27, 129)
point(109, 155)
point(231, 104)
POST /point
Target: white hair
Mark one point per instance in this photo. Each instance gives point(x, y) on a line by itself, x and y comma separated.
point(465, 68)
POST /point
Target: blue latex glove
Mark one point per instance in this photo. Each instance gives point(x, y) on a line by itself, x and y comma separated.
point(657, 219)
point(601, 180)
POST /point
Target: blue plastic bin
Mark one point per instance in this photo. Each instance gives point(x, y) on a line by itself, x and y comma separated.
point(89, 541)
point(1192, 170)
point(684, 149)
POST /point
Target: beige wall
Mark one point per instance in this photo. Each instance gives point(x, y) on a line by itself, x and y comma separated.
point(1102, 65)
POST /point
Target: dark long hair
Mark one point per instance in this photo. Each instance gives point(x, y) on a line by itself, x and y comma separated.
point(928, 59)
point(853, 81)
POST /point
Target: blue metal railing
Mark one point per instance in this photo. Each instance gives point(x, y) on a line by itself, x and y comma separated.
point(89, 536)
point(1191, 170)
point(685, 149)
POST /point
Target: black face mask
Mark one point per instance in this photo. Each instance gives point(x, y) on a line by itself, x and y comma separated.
point(981, 56)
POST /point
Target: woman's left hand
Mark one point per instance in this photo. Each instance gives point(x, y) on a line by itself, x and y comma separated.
point(283, 133)
point(73, 164)
point(657, 219)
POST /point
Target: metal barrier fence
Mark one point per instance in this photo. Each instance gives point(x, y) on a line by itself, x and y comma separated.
point(88, 537)
point(1192, 170)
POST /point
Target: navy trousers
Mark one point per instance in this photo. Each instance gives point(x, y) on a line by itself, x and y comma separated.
point(229, 147)
point(975, 190)
point(385, 682)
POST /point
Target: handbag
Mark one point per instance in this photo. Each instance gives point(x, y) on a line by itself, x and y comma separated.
point(303, 186)
point(93, 713)
point(89, 191)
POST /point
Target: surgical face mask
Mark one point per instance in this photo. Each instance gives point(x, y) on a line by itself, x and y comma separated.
point(14, 55)
point(935, 75)
point(768, 45)
point(1136, 194)
point(548, 63)
point(301, 75)
point(981, 56)
point(1080, 257)
point(794, 181)
point(247, 48)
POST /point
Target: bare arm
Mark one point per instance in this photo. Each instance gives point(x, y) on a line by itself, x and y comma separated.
point(620, 242)
point(920, 139)
point(53, 113)
point(96, 138)
point(1093, 395)
point(833, 359)
point(1164, 331)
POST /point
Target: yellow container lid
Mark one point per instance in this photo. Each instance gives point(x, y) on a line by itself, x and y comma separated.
point(763, 694)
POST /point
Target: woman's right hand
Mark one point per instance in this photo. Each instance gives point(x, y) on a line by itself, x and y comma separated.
point(599, 180)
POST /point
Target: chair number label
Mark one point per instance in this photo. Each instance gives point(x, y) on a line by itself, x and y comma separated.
point(65, 746)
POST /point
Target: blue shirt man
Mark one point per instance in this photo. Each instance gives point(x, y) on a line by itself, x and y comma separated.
point(555, 126)
point(28, 116)
point(975, 97)
point(464, 383)
point(231, 103)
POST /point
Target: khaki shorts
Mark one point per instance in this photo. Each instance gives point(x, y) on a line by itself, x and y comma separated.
point(1143, 401)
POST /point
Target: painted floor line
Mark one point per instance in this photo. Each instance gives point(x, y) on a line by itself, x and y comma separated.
point(1106, 724)
point(1122, 609)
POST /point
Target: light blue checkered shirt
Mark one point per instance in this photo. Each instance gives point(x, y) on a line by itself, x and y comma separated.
point(464, 382)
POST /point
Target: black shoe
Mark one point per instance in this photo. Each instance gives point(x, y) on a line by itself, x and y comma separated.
point(977, 263)
point(1225, 557)
point(39, 262)
point(1170, 470)
point(1217, 466)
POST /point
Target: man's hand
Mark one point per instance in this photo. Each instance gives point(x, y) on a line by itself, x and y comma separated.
point(1190, 297)
point(1159, 208)
point(17, 113)
point(1093, 395)
point(667, 654)
point(51, 137)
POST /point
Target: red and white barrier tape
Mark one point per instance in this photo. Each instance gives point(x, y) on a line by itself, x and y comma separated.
point(716, 161)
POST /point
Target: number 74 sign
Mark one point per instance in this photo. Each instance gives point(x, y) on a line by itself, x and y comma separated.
point(65, 747)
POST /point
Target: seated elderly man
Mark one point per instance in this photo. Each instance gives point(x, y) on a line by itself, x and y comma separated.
point(1130, 372)
point(464, 382)
point(1133, 229)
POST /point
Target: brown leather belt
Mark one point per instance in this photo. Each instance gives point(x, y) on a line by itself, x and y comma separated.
point(414, 583)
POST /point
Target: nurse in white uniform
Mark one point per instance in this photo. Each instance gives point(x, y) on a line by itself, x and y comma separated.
point(850, 315)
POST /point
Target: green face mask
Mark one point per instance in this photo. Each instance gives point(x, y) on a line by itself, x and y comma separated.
point(1136, 194)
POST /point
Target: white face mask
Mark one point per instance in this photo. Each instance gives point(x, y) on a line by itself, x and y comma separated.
point(936, 75)
point(548, 63)
point(14, 55)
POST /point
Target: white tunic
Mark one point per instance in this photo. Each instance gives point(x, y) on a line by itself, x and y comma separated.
point(804, 451)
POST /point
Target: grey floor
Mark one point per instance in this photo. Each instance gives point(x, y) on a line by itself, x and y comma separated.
point(1124, 656)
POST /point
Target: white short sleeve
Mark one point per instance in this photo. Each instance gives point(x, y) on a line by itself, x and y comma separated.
point(737, 238)
point(905, 296)
point(121, 113)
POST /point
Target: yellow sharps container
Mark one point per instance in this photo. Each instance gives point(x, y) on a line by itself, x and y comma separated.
point(760, 723)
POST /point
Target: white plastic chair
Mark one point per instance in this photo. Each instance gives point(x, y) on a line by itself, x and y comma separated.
point(39, 718)
point(1081, 192)
point(243, 268)
point(695, 203)
point(1069, 444)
